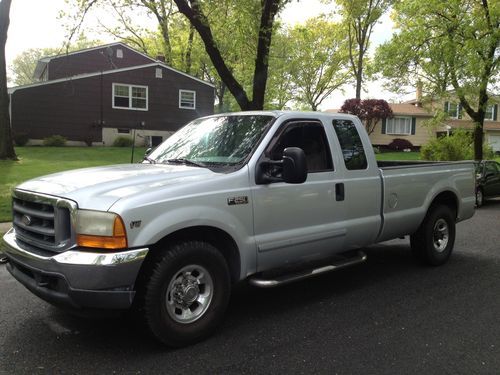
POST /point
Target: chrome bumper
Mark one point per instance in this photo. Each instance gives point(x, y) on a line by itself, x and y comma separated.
point(79, 279)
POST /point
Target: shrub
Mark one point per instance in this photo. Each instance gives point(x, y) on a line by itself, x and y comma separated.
point(20, 139)
point(399, 144)
point(122, 142)
point(457, 146)
point(54, 141)
point(88, 139)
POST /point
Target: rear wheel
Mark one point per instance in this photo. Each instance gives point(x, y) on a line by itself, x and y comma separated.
point(187, 293)
point(433, 242)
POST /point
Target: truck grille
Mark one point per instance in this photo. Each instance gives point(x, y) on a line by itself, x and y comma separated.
point(42, 221)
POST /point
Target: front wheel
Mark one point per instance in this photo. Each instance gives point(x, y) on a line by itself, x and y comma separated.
point(433, 242)
point(187, 293)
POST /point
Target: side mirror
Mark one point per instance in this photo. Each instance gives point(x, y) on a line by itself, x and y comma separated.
point(294, 165)
point(148, 151)
point(292, 168)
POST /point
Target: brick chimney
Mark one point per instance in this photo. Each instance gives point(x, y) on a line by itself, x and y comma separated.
point(160, 58)
point(419, 94)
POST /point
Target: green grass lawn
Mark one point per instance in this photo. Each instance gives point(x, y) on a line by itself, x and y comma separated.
point(39, 161)
point(384, 156)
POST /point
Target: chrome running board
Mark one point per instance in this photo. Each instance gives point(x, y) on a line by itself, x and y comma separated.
point(283, 279)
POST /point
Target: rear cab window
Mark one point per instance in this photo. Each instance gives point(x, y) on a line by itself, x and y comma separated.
point(353, 151)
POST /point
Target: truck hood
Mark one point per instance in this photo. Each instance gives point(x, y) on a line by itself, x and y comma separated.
point(100, 187)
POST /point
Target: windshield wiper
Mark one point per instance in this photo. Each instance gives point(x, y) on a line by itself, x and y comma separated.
point(151, 161)
point(186, 162)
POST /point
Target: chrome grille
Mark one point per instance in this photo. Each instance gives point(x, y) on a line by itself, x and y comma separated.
point(42, 221)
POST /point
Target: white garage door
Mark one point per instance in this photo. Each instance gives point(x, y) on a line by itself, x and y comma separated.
point(495, 142)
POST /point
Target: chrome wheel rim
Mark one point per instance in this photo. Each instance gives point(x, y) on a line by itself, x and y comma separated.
point(441, 235)
point(189, 294)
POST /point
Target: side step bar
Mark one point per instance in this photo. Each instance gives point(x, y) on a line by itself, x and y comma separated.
point(256, 280)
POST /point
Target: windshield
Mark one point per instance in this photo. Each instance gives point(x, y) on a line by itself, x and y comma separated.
point(221, 140)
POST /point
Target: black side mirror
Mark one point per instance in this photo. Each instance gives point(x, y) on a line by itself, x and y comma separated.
point(294, 165)
point(292, 168)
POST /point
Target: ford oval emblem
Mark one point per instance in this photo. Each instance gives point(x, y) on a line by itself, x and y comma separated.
point(26, 220)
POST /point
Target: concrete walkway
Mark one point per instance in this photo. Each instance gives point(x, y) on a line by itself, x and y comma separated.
point(4, 227)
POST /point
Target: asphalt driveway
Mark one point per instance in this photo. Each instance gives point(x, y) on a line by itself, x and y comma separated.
point(387, 316)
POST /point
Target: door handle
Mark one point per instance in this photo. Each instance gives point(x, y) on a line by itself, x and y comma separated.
point(339, 192)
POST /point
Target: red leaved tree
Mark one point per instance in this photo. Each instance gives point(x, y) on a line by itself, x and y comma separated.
point(369, 111)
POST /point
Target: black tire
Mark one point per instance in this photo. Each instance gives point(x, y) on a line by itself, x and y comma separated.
point(479, 197)
point(164, 288)
point(426, 244)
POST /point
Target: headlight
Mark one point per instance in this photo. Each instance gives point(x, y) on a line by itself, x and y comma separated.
point(100, 229)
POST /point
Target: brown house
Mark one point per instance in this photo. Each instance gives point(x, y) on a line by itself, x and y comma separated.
point(100, 93)
point(411, 121)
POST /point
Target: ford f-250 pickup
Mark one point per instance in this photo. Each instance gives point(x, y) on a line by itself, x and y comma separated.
point(268, 197)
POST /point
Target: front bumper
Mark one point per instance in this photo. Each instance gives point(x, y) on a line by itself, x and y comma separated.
point(75, 278)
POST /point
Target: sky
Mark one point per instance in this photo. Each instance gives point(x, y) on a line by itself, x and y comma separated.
point(36, 24)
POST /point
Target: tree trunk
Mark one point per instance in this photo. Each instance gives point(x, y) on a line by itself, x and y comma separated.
point(359, 74)
point(478, 141)
point(6, 145)
point(192, 10)
point(269, 10)
point(189, 50)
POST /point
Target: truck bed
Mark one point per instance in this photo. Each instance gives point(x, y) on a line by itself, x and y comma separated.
point(410, 186)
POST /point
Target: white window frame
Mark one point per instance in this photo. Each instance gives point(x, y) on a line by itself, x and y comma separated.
point(119, 53)
point(389, 125)
point(159, 73)
point(457, 108)
point(194, 99)
point(130, 108)
point(492, 106)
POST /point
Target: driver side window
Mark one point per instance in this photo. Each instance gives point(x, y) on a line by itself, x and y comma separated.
point(311, 138)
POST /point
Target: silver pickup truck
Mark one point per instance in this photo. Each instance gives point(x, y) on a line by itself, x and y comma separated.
point(268, 197)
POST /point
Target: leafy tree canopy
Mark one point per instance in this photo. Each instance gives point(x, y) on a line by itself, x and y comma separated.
point(447, 45)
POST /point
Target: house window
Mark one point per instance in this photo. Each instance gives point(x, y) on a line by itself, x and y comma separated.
point(159, 73)
point(130, 97)
point(453, 110)
point(187, 99)
point(398, 125)
point(490, 113)
point(124, 131)
point(119, 53)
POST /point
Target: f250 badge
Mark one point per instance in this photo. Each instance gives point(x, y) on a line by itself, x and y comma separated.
point(135, 224)
point(237, 200)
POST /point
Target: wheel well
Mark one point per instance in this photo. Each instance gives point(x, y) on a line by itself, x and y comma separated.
point(218, 238)
point(447, 198)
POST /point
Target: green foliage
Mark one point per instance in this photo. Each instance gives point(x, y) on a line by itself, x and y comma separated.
point(318, 60)
point(359, 18)
point(458, 146)
point(122, 142)
point(20, 139)
point(54, 141)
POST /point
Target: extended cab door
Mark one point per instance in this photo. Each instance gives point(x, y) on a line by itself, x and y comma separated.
point(362, 183)
point(299, 222)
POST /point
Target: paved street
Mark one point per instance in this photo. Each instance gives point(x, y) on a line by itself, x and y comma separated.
point(388, 316)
